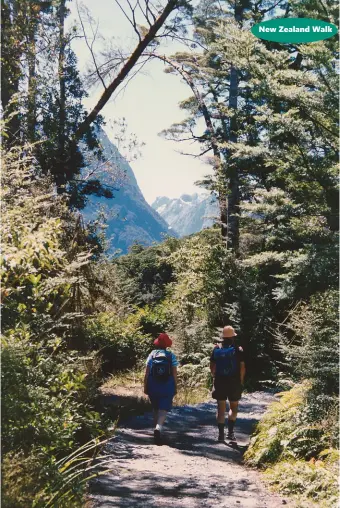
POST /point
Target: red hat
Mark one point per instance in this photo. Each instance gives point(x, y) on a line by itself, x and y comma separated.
point(163, 340)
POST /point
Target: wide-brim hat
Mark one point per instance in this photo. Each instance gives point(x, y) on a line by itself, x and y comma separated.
point(163, 340)
point(228, 332)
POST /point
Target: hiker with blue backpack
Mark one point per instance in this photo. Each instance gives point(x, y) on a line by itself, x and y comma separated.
point(160, 381)
point(228, 370)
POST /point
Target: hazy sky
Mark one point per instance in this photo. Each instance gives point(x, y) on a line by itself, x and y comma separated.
point(149, 104)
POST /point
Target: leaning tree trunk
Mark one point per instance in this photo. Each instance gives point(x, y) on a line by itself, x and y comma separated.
point(144, 42)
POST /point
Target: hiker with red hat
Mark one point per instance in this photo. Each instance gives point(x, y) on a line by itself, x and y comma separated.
point(160, 381)
point(228, 370)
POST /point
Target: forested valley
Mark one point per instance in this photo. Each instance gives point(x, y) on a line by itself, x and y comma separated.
point(266, 116)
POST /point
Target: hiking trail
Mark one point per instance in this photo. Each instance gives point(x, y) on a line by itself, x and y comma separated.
point(191, 469)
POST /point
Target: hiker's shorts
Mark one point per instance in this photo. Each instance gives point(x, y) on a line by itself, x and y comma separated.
point(161, 403)
point(227, 389)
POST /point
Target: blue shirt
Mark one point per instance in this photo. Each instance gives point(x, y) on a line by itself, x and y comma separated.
point(174, 361)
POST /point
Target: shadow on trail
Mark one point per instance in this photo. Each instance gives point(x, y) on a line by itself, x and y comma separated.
point(145, 491)
point(190, 469)
point(193, 431)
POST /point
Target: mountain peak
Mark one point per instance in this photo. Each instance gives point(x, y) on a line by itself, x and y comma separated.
point(188, 214)
point(129, 218)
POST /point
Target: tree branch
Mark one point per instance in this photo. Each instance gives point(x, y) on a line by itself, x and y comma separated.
point(90, 46)
point(127, 67)
point(132, 22)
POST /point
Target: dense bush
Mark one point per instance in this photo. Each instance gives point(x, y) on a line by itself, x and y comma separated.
point(314, 482)
point(309, 341)
point(298, 451)
point(144, 273)
point(46, 406)
point(47, 388)
point(121, 343)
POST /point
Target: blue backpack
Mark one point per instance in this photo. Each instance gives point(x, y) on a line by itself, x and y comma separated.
point(161, 365)
point(226, 361)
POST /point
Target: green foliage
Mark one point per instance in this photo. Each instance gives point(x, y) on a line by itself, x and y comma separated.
point(60, 482)
point(275, 435)
point(121, 342)
point(43, 96)
point(45, 400)
point(192, 375)
point(152, 320)
point(315, 484)
point(144, 273)
point(298, 449)
point(312, 334)
point(32, 265)
point(48, 389)
point(200, 265)
point(271, 113)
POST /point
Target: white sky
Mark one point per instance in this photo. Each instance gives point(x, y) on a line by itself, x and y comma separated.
point(149, 104)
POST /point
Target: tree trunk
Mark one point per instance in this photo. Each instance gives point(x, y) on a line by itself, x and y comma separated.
point(232, 170)
point(233, 176)
point(32, 82)
point(11, 70)
point(62, 94)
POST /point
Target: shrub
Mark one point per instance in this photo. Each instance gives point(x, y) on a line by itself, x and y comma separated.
point(309, 341)
point(120, 342)
point(314, 481)
point(297, 453)
point(285, 431)
point(152, 320)
point(47, 388)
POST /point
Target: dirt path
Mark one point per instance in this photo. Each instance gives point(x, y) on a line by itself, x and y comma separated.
point(190, 470)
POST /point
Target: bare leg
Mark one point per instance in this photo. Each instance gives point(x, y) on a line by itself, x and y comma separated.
point(233, 411)
point(155, 417)
point(232, 418)
point(221, 409)
point(161, 417)
point(162, 414)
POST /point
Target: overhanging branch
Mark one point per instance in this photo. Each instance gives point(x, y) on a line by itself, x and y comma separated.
point(127, 67)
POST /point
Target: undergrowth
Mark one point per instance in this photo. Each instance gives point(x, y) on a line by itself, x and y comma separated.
point(127, 387)
point(298, 455)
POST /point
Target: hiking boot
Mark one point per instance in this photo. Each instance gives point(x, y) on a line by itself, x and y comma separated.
point(157, 436)
point(231, 436)
point(221, 438)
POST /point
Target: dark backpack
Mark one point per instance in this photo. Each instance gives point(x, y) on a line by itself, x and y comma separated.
point(161, 365)
point(226, 361)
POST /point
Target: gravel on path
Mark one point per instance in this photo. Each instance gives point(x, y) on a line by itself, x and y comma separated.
point(191, 469)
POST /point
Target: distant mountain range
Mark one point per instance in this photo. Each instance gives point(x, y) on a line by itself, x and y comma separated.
point(129, 218)
point(188, 214)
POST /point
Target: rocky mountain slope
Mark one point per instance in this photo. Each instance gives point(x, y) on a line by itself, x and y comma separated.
point(129, 218)
point(188, 214)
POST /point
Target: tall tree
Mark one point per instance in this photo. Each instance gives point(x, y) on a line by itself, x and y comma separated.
point(221, 83)
point(42, 94)
point(234, 75)
point(12, 43)
point(42, 70)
